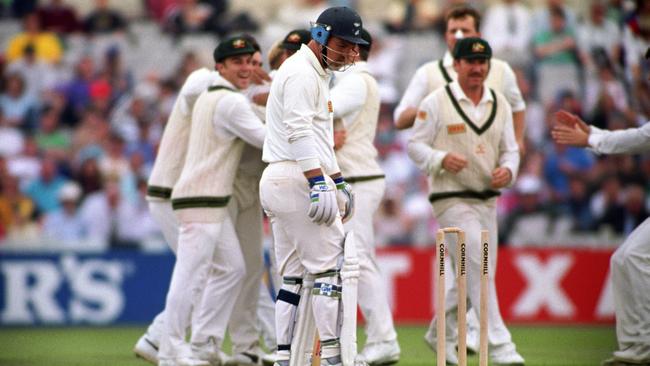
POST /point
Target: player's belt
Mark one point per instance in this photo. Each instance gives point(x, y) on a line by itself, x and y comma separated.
point(364, 178)
point(481, 195)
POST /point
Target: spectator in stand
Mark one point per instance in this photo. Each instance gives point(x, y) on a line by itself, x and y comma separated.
point(577, 205)
point(104, 20)
point(189, 63)
point(26, 166)
point(113, 164)
point(190, 16)
point(92, 133)
point(542, 17)
point(77, 91)
point(65, 224)
point(11, 137)
point(89, 177)
point(51, 138)
point(635, 208)
point(532, 218)
point(44, 190)
point(507, 27)
point(606, 97)
point(58, 17)
point(599, 39)
point(636, 40)
point(46, 44)
point(412, 15)
point(120, 79)
point(556, 52)
point(606, 204)
point(38, 75)
point(105, 214)
point(561, 163)
point(18, 107)
point(18, 211)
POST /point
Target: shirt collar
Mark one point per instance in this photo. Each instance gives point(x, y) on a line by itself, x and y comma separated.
point(221, 81)
point(460, 94)
point(309, 55)
point(447, 60)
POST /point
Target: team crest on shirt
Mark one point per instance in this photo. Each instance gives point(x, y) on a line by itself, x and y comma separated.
point(480, 149)
point(329, 106)
point(422, 114)
point(456, 129)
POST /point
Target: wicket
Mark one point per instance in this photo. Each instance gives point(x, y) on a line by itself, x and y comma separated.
point(461, 276)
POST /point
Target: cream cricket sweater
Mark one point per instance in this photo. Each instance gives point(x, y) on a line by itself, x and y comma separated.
point(222, 121)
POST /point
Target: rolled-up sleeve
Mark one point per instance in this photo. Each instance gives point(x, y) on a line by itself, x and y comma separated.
point(425, 130)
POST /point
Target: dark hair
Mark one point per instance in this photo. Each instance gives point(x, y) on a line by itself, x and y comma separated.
point(557, 11)
point(463, 11)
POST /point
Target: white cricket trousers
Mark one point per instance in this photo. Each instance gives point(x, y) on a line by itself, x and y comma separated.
point(372, 296)
point(301, 245)
point(630, 271)
point(246, 213)
point(472, 216)
point(208, 258)
point(163, 215)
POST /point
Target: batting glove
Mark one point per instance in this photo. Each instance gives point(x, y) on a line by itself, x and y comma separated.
point(344, 198)
point(323, 207)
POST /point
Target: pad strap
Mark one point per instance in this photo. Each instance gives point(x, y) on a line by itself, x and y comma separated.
point(289, 297)
point(292, 280)
point(330, 273)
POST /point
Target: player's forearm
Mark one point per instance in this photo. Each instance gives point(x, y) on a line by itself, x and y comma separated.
point(519, 123)
point(406, 118)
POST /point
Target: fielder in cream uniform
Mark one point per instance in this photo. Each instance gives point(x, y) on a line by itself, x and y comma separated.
point(355, 98)
point(630, 263)
point(246, 214)
point(464, 140)
point(166, 170)
point(462, 21)
point(302, 188)
point(209, 257)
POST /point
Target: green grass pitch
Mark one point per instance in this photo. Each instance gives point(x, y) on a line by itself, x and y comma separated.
point(560, 345)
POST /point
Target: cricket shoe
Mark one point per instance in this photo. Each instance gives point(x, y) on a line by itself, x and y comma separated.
point(208, 352)
point(614, 362)
point(637, 354)
point(506, 355)
point(473, 340)
point(380, 353)
point(251, 357)
point(269, 359)
point(146, 349)
point(451, 355)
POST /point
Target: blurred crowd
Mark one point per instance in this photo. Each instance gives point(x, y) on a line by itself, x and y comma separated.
point(86, 91)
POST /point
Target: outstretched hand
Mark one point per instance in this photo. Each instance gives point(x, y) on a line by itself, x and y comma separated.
point(570, 130)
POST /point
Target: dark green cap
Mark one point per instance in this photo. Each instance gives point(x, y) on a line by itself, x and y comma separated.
point(233, 46)
point(295, 39)
point(472, 48)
